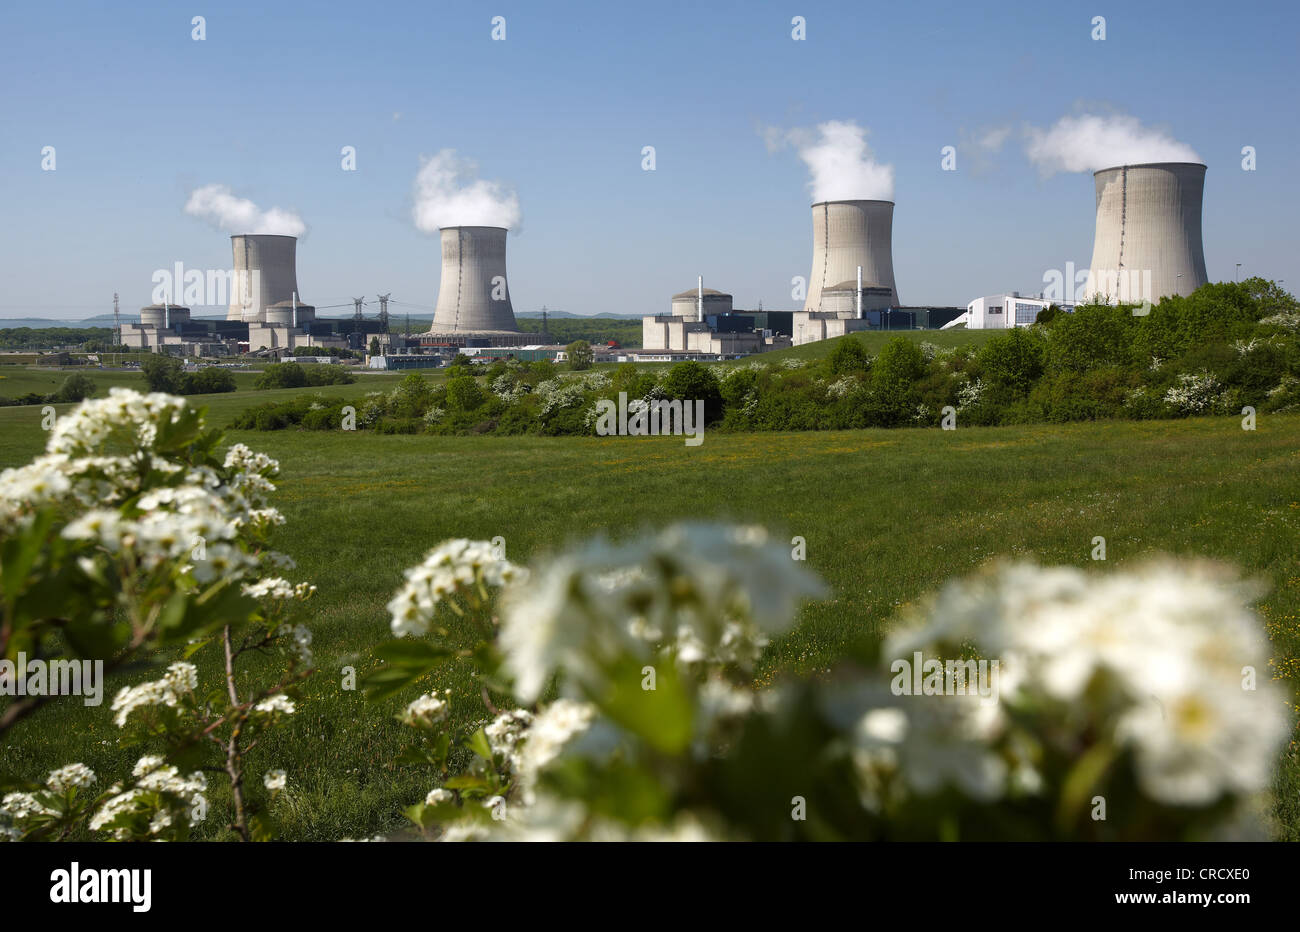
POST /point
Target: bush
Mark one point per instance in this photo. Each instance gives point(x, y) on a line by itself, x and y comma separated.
point(162, 373)
point(209, 380)
point(690, 381)
point(76, 387)
point(849, 355)
point(464, 393)
point(580, 355)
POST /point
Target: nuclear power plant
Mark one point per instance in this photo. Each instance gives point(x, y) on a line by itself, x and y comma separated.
point(1148, 240)
point(1147, 246)
point(473, 293)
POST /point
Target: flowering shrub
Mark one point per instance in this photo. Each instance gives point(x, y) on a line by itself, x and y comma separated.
point(1127, 706)
point(1195, 393)
point(130, 534)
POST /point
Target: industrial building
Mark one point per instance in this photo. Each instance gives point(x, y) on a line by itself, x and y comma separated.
point(1001, 312)
point(473, 293)
point(1148, 239)
point(691, 328)
point(265, 314)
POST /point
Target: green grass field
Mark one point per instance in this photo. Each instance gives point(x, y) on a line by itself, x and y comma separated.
point(887, 515)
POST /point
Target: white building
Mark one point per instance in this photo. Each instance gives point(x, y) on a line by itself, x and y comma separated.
point(1001, 312)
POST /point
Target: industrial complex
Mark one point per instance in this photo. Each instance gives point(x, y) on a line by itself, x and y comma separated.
point(1147, 245)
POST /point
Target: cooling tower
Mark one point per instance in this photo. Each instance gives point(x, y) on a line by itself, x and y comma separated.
point(1148, 242)
point(848, 234)
point(473, 295)
point(274, 260)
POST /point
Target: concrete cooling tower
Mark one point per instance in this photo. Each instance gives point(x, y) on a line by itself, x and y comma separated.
point(274, 260)
point(1148, 242)
point(473, 296)
point(846, 235)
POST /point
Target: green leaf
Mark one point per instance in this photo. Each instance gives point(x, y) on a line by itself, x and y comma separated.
point(478, 744)
point(663, 716)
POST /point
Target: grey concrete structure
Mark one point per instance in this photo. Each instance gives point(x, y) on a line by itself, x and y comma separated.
point(279, 315)
point(846, 235)
point(1148, 241)
point(842, 298)
point(177, 316)
point(155, 315)
point(266, 273)
point(685, 303)
point(473, 296)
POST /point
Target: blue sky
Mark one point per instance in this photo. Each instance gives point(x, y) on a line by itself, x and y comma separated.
point(140, 114)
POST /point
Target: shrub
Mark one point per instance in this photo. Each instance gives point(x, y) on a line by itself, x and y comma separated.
point(848, 355)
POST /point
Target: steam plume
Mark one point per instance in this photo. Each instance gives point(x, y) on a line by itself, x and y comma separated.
point(841, 166)
point(216, 204)
point(1089, 143)
point(448, 193)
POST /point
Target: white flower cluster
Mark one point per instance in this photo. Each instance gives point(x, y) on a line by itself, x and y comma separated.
point(98, 457)
point(842, 386)
point(275, 780)
point(1195, 393)
point(70, 776)
point(1288, 320)
point(276, 588)
point(1159, 654)
point(181, 795)
point(18, 806)
point(708, 593)
point(547, 735)
point(279, 704)
point(427, 711)
point(181, 680)
point(969, 394)
point(792, 363)
point(301, 635)
point(559, 393)
point(504, 733)
point(121, 424)
point(454, 566)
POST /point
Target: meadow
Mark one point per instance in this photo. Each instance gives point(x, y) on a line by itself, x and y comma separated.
point(887, 515)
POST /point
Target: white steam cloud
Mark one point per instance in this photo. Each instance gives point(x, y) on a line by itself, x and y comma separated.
point(449, 193)
point(841, 166)
point(216, 204)
point(1089, 143)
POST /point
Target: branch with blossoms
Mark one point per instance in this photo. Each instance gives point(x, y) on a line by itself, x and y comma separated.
point(1127, 706)
point(130, 534)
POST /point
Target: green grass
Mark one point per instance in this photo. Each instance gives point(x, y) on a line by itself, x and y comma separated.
point(887, 515)
point(874, 340)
